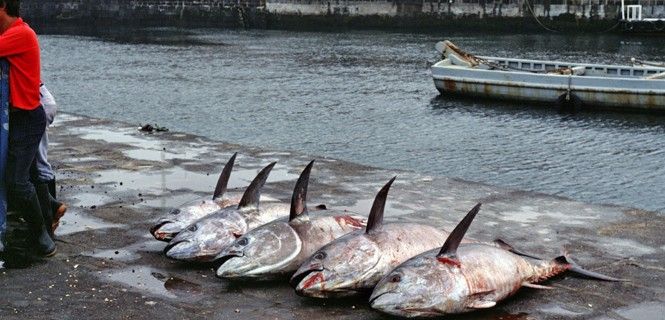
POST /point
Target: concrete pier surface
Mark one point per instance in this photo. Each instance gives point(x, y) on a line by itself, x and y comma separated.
point(118, 181)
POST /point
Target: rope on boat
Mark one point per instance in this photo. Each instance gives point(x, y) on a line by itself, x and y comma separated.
point(528, 4)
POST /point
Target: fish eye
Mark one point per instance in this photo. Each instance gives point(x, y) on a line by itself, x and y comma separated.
point(192, 228)
point(243, 242)
point(395, 278)
point(320, 255)
point(175, 211)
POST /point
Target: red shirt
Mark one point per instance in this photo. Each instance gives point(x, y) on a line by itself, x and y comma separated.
point(20, 47)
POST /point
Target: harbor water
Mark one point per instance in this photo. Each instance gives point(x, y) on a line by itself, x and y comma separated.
point(368, 97)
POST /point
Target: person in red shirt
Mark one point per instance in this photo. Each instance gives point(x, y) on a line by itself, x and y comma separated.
point(27, 121)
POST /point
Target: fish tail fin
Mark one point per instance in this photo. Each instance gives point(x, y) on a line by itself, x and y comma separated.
point(570, 264)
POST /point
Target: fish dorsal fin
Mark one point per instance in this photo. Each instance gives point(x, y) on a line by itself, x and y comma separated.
point(448, 253)
point(253, 192)
point(223, 180)
point(375, 219)
point(299, 198)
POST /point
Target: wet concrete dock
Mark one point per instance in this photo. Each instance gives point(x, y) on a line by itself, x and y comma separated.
point(118, 181)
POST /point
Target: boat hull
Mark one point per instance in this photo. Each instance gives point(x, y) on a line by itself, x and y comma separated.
point(613, 93)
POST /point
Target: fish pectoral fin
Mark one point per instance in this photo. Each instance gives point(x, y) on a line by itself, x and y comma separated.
point(481, 300)
point(536, 286)
point(481, 304)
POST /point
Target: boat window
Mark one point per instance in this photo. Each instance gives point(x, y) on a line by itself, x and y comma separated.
point(538, 66)
point(625, 72)
point(612, 71)
point(526, 65)
point(513, 64)
point(638, 72)
point(651, 72)
point(550, 67)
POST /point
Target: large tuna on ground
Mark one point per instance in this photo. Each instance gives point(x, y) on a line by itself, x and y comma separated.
point(177, 219)
point(462, 278)
point(355, 262)
point(279, 247)
point(204, 239)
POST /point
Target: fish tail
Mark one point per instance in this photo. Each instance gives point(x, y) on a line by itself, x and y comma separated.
point(569, 264)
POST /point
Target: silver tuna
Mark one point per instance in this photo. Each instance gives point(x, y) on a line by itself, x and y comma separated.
point(462, 278)
point(204, 239)
point(355, 262)
point(179, 218)
point(279, 247)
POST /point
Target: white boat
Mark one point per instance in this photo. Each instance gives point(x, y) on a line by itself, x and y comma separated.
point(638, 87)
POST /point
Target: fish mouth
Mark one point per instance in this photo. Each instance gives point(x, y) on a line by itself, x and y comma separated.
point(372, 299)
point(221, 260)
point(388, 306)
point(297, 278)
point(161, 235)
point(172, 244)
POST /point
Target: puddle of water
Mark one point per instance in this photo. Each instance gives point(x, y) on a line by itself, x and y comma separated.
point(121, 135)
point(529, 214)
point(129, 253)
point(626, 247)
point(182, 287)
point(159, 181)
point(278, 173)
point(644, 311)
point(75, 221)
point(178, 178)
point(273, 154)
point(140, 279)
point(560, 311)
point(61, 118)
point(82, 159)
point(145, 279)
point(115, 254)
point(193, 152)
point(362, 207)
point(171, 201)
point(91, 199)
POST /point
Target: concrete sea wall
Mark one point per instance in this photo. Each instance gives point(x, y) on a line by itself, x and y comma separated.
point(585, 14)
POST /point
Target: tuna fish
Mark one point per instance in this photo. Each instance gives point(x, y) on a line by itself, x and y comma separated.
point(177, 219)
point(204, 239)
point(355, 262)
point(462, 278)
point(279, 247)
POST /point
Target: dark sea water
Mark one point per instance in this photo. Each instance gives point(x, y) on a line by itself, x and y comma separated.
point(368, 97)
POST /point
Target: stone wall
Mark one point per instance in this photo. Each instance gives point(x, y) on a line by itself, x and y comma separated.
point(131, 9)
point(274, 13)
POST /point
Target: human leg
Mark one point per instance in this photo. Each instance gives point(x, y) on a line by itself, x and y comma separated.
point(25, 131)
point(53, 209)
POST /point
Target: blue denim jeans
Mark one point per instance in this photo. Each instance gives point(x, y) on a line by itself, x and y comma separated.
point(25, 132)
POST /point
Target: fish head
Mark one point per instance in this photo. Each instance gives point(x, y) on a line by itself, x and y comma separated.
point(343, 267)
point(204, 239)
point(260, 253)
point(179, 218)
point(421, 287)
